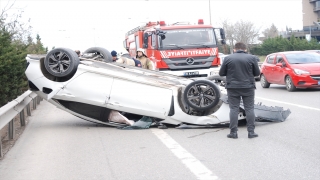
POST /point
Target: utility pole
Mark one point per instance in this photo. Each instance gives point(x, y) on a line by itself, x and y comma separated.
point(310, 31)
point(210, 12)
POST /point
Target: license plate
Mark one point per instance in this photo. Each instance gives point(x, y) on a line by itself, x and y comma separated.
point(191, 73)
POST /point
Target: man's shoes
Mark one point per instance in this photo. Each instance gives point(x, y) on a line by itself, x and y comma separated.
point(233, 135)
point(252, 134)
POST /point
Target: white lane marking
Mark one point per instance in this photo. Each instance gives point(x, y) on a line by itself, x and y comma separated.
point(194, 165)
point(306, 107)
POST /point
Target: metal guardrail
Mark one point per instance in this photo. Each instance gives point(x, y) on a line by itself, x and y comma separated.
point(15, 107)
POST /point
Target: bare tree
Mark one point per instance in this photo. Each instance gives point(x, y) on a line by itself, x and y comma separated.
point(18, 29)
point(3, 14)
point(245, 32)
point(271, 32)
point(241, 31)
point(229, 31)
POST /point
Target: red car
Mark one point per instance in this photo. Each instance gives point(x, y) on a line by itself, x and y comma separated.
point(295, 69)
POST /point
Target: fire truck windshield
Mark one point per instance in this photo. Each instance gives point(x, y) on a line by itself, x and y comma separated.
point(197, 37)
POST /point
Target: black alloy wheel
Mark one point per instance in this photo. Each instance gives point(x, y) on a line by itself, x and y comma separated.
point(202, 95)
point(99, 54)
point(61, 62)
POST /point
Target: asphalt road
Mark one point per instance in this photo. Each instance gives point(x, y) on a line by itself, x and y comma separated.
point(57, 145)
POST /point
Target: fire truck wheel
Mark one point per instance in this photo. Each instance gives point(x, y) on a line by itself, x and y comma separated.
point(202, 95)
point(61, 62)
point(100, 54)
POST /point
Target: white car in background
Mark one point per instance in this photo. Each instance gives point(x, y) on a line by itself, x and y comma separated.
point(222, 56)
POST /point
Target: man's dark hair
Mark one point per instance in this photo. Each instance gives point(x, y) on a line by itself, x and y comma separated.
point(240, 46)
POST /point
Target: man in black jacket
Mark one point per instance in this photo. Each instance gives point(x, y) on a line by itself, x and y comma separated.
point(240, 69)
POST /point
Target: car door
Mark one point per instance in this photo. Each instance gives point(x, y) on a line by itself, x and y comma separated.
point(88, 88)
point(278, 71)
point(268, 67)
point(140, 98)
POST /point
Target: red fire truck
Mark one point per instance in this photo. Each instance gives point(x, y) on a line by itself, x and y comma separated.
point(181, 49)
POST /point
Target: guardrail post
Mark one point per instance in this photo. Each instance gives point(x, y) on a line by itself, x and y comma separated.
point(22, 120)
point(1, 154)
point(11, 129)
point(38, 100)
point(9, 111)
point(28, 110)
point(34, 103)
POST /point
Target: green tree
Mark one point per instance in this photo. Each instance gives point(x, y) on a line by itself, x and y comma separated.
point(15, 43)
point(36, 48)
point(278, 44)
point(12, 66)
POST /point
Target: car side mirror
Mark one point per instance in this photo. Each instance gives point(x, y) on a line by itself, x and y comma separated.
point(145, 40)
point(281, 64)
point(222, 34)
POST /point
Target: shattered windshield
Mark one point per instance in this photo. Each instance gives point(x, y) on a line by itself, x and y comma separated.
point(303, 58)
point(193, 38)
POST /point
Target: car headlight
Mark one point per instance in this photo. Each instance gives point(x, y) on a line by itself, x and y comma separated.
point(299, 71)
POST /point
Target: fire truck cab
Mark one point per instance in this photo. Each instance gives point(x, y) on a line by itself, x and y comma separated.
point(182, 49)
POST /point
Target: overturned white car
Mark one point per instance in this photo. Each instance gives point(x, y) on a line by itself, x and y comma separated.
point(90, 87)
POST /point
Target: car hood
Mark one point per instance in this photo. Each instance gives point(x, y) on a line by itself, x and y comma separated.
point(313, 68)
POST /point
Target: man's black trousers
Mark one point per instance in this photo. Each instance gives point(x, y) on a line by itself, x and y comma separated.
point(234, 98)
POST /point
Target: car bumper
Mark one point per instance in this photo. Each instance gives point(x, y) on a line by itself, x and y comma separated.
point(305, 81)
point(193, 72)
point(215, 72)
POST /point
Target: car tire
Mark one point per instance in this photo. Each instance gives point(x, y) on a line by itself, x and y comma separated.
point(61, 62)
point(202, 95)
point(289, 84)
point(263, 81)
point(127, 55)
point(101, 53)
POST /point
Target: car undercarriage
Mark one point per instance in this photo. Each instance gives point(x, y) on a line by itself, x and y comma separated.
point(92, 87)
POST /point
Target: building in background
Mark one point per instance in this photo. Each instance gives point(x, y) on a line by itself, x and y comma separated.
point(310, 13)
point(311, 21)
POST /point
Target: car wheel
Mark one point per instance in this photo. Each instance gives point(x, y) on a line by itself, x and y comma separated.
point(100, 54)
point(263, 81)
point(289, 84)
point(126, 55)
point(202, 95)
point(61, 62)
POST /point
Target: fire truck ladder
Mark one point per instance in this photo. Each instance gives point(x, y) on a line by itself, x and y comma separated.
point(181, 23)
point(141, 28)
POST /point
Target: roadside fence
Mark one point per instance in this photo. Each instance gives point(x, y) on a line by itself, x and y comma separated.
point(17, 106)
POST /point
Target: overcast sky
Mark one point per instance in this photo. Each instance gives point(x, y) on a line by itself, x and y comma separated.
point(86, 23)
